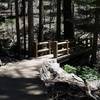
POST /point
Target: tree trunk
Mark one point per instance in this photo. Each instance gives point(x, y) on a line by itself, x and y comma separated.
point(68, 25)
point(58, 36)
point(95, 37)
point(30, 28)
point(24, 28)
point(17, 27)
point(40, 36)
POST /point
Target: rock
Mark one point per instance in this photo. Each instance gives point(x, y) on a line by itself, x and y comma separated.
point(52, 72)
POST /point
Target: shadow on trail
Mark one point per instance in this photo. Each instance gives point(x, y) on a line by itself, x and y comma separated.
point(21, 89)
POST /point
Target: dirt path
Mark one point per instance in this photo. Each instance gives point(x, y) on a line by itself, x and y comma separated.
point(20, 81)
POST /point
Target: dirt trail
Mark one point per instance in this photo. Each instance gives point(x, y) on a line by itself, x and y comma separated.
point(20, 81)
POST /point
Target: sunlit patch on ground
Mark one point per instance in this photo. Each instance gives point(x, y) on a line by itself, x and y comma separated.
point(20, 81)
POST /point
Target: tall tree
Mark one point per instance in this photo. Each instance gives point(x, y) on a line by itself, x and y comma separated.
point(40, 36)
point(68, 25)
point(58, 20)
point(24, 30)
point(97, 31)
point(17, 27)
point(30, 28)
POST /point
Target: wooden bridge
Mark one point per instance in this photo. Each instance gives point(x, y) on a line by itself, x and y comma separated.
point(62, 51)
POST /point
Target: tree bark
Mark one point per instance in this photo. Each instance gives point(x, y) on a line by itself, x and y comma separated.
point(17, 28)
point(24, 28)
point(30, 28)
point(68, 23)
point(58, 36)
point(95, 36)
point(40, 36)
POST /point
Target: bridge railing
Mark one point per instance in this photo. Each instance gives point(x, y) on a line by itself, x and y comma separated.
point(60, 49)
point(41, 48)
point(87, 42)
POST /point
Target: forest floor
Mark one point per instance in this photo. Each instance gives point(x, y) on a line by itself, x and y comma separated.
point(20, 81)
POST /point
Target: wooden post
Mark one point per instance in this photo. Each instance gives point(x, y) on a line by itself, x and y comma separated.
point(55, 49)
point(67, 46)
point(35, 50)
point(49, 46)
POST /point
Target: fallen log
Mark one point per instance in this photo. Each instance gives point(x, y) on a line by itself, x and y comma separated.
point(51, 72)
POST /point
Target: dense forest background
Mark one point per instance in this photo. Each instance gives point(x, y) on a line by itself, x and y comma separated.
point(23, 21)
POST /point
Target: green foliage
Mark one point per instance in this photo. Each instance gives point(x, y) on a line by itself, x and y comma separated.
point(84, 72)
point(70, 69)
point(88, 73)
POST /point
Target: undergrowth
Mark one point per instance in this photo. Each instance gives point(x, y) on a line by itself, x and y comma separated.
point(83, 72)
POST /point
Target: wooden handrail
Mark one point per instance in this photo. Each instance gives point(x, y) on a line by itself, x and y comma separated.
point(43, 43)
point(43, 50)
point(45, 47)
point(61, 43)
point(64, 48)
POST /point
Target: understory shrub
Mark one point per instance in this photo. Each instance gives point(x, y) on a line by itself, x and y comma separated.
point(83, 72)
